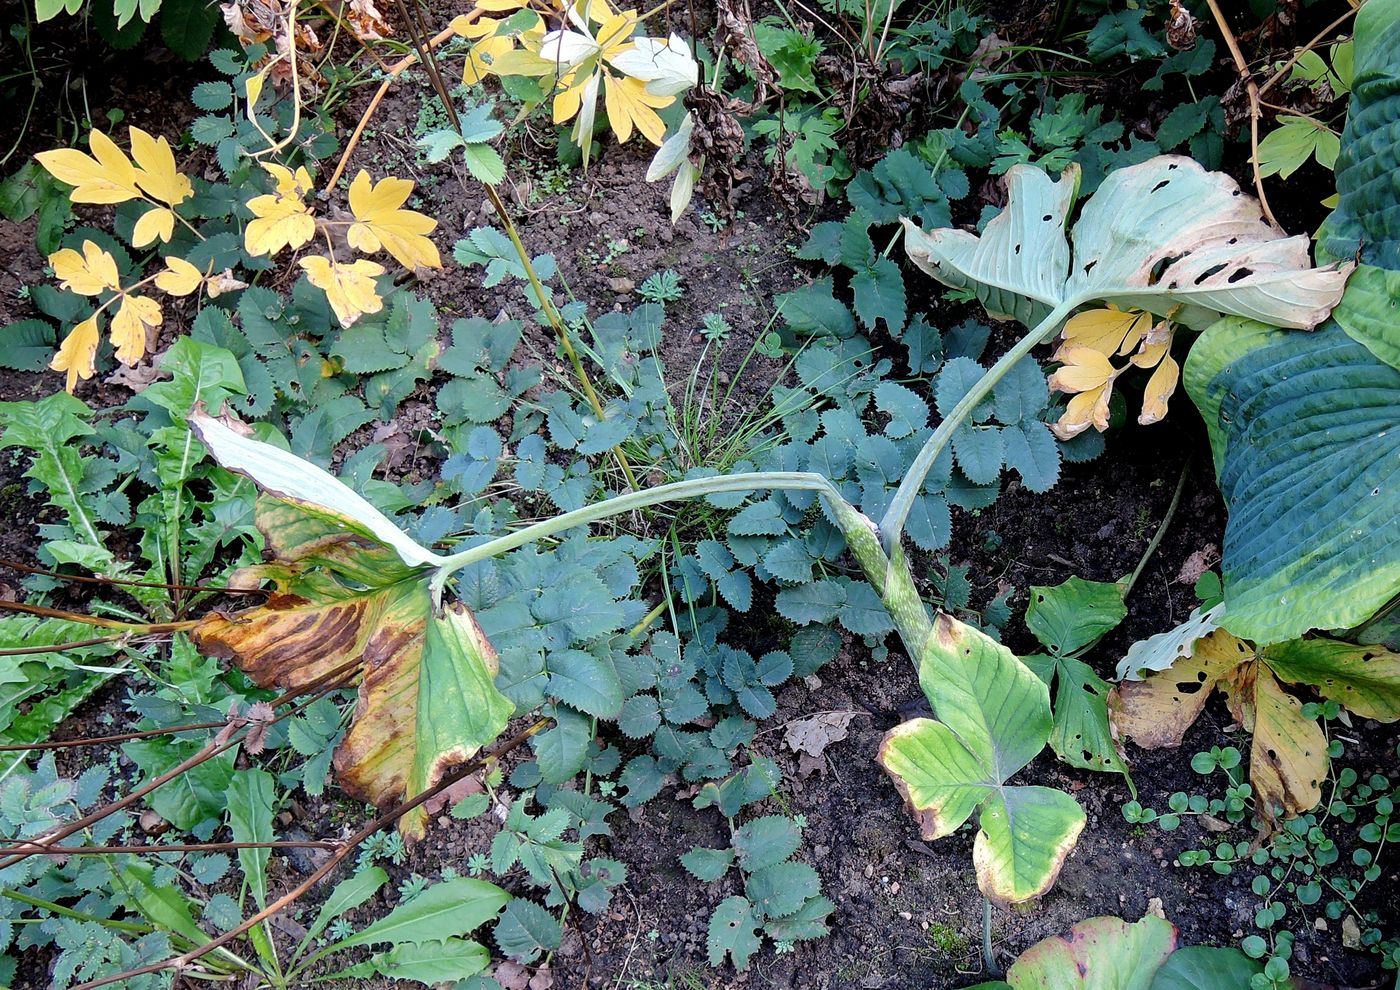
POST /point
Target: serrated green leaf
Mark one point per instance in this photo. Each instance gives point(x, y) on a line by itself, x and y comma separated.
point(819, 601)
point(526, 930)
point(582, 681)
point(707, 865)
point(563, 749)
point(1033, 453)
point(733, 932)
point(879, 295)
point(806, 923)
point(766, 842)
point(781, 890)
point(981, 452)
point(641, 716)
point(759, 519)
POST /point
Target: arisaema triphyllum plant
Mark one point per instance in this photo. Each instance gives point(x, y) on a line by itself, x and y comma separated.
point(1165, 237)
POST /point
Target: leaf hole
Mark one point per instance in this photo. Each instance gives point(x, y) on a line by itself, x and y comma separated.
point(1162, 184)
point(1238, 274)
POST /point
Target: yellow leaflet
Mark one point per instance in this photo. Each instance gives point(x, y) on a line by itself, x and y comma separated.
point(87, 274)
point(156, 173)
point(1109, 330)
point(156, 224)
point(1088, 375)
point(349, 289)
point(77, 354)
point(106, 176)
point(179, 278)
point(129, 326)
point(381, 223)
point(629, 104)
point(1159, 390)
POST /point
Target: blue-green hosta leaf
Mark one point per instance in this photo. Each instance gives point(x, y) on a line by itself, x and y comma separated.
point(1367, 312)
point(1367, 218)
point(1165, 236)
point(1305, 430)
point(994, 718)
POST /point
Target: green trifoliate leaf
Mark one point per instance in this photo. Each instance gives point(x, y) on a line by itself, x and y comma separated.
point(1074, 614)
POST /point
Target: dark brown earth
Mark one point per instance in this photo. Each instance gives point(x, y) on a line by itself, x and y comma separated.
point(908, 914)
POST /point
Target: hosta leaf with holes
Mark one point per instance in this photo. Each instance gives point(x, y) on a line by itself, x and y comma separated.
point(994, 718)
point(1162, 650)
point(1288, 755)
point(1305, 432)
point(1102, 953)
point(426, 699)
point(1156, 236)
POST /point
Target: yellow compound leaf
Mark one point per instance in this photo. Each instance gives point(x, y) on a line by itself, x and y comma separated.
point(1089, 373)
point(179, 278)
point(487, 51)
point(156, 173)
point(382, 223)
point(78, 352)
point(350, 289)
point(136, 315)
point(629, 104)
point(281, 219)
point(1288, 757)
point(92, 272)
point(156, 224)
point(106, 176)
point(1109, 330)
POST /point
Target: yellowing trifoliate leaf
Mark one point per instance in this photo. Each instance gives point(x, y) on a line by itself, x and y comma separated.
point(156, 173)
point(1108, 330)
point(349, 289)
point(179, 278)
point(1087, 375)
point(382, 223)
point(281, 218)
point(135, 316)
point(88, 274)
point(78, 352)
point(106, 176)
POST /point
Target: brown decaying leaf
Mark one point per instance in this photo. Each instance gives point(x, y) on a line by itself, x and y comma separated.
point(339, 598)
point(814, 734)
point(1288, 752)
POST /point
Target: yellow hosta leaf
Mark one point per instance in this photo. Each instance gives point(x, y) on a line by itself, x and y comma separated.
point(179, 278)
point(349, 289)
point(629, 104)
point(87, 274)
point(281, 218)
point(381, 223)
point(1288, 757)
point(156, 173)
point(1109, 330)
point(136, 315)
point(156, 224)
point(1156, 712)
point(105, 176)
point(77, 354)
point(1159, 390)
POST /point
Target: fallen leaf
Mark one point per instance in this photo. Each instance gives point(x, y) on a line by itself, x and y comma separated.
point(814, 734)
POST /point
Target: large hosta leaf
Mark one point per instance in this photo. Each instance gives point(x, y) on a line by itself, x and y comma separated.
point(1165, 236)
point(426, 696)
point(994, 717)
point(1367, 218)
point(1305, 431)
